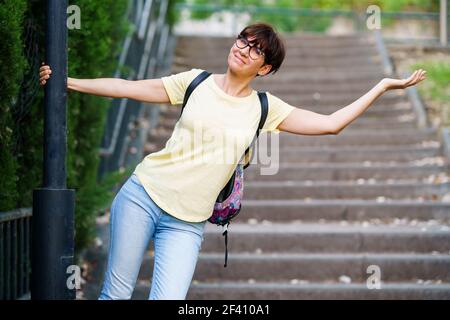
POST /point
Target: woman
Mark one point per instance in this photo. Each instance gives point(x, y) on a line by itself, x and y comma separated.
point(170, 195)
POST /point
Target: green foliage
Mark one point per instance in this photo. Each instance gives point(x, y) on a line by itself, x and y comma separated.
point(12, 65)
point(93, 52)
point(436, 87)
point(387, 5)
point(289, 23)
point(403, 5)
point(173, 16)
point(28, 131)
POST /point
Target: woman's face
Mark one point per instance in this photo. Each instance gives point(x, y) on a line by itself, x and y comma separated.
point(240, 62)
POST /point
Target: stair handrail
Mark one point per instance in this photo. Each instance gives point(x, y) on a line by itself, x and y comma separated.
point(145, 24)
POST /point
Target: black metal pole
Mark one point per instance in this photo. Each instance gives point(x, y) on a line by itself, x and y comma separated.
point(53, 204)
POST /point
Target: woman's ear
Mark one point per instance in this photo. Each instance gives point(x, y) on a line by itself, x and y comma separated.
point(265, 69)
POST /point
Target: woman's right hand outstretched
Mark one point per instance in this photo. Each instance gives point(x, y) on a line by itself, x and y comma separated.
point(44, 74)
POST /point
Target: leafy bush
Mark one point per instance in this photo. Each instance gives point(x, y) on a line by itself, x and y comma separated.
point(436, 88)
point(12, 65)
point(93, 52)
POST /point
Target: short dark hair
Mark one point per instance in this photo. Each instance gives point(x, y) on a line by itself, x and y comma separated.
point(269, 41)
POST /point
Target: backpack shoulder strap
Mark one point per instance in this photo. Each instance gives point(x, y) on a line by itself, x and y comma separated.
point(264, 111)
point(194, 83)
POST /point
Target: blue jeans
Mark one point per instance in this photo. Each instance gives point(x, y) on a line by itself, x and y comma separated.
point(134, 220)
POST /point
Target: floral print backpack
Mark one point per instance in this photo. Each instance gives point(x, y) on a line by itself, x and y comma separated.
point(228, 203)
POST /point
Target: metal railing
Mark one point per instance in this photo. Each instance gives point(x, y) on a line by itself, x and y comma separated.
point(144, 55)
point(15, 261)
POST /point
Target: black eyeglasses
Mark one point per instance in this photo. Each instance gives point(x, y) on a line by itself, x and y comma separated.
point(255, 52)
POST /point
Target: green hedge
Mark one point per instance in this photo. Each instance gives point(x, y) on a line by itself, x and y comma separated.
point(93, 52)
point(12, 65)
point(29, 129)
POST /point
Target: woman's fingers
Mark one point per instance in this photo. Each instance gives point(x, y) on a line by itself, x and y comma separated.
point(413, 77)
point(419, 76)
point(44, 68)
point(406, 81)
point(44, 77)
point(44, 74)
point(418, 72)
point(416, 77)
point(424, 76)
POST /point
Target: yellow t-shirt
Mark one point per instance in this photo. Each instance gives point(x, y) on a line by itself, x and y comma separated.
point(208, 141)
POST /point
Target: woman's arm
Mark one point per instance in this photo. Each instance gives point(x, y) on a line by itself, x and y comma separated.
point(343, 117)
point(150, 90)
point(306, 122)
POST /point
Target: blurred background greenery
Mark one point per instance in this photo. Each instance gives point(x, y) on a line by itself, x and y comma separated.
point(286, 23)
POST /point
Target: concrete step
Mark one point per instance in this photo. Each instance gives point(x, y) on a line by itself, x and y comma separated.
point(287, 140)
point(302, 290)
point(357, 137)
point(323, 210)
point(257, 190)
point(300, 237)
point(314, 266)
point(304, 39)
point(423, 132)
point(350, 171)
point(379, 153)
point(297, 290)
point(331, 52)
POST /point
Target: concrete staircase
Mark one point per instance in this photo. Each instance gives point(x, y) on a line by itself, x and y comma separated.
point(376, 194)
